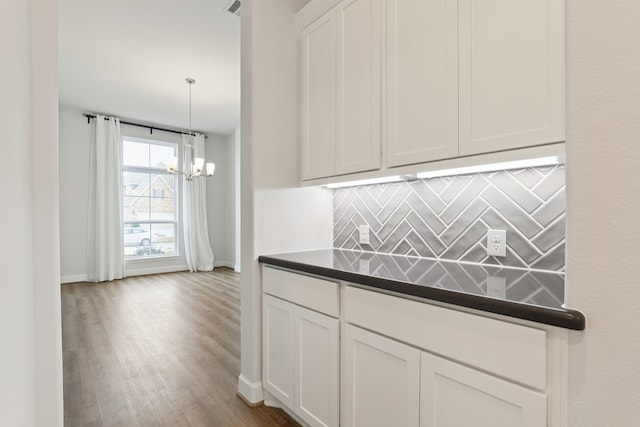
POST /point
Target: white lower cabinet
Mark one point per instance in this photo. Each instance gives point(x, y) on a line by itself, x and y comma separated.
point(381, 379)
point(388, 383)
point(316, 368)
point(453, 395)
point(301, 346)
point(404, 363)
point(407, 363)
point(277, 349)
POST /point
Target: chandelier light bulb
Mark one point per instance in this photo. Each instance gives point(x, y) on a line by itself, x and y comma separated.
point(199, 164)
point(173, 164)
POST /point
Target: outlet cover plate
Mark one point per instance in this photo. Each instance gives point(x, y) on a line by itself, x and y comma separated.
point(364, 234)
point(497, 243)
point(496, 287)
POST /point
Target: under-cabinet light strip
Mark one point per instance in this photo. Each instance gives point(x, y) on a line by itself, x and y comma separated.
point(489, 167)
point(383, 180)
point(516, 164)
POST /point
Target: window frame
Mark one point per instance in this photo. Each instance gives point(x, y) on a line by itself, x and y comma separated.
point(177, 197)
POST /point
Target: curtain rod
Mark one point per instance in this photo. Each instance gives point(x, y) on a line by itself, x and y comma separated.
point(151, 128)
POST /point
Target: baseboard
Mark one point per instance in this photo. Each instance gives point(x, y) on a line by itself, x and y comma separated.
point(223, 264)
point(249, 404)
point(144, 271)
point(74, 278)
point(250, 392)
point(156, 270)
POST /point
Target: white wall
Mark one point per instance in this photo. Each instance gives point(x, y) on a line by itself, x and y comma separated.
point(603, 210)
point(30, 326)
point(277, 216)
point(75, 136)
point(221, 199)
point(237, 235)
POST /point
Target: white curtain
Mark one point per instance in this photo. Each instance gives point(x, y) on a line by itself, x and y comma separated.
point(196, 233)
point(105, 253)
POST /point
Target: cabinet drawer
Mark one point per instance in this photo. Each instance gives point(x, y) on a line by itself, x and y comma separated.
point(311, 292)
point(515, 352)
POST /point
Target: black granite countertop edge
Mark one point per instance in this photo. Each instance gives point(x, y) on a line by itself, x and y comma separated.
point(564, 318)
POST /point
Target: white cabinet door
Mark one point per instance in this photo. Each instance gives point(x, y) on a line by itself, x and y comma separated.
point(359, 88)
point(511, 74)
point(278, 341)
point(382, 381)
point(341, 91)
point(454, 395)
point(422, 81)
point(300, 360)
point(317, 372)
point(318, 80)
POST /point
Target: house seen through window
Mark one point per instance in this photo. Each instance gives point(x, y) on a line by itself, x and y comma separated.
point(149, 214)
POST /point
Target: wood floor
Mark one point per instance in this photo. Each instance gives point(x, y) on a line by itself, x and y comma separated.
point(160, 350)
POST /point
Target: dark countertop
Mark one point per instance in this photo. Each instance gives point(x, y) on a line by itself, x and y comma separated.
point(524, 294)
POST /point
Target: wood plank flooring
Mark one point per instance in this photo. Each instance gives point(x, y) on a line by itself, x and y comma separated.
point(159, 350)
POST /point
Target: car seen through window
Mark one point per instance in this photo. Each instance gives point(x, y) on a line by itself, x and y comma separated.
point(135, 236)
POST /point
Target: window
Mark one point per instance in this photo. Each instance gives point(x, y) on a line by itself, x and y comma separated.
point(149, 206)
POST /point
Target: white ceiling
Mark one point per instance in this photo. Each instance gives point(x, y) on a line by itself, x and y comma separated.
point(130, 58)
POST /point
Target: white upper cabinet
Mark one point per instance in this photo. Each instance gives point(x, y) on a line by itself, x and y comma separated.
point(428, 80)
point(359, 65)
point(319, 98)
point(511, 74)
point(341, 90)
point(422, 81)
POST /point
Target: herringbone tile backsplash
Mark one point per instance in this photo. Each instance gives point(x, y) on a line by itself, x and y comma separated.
point(448, 217)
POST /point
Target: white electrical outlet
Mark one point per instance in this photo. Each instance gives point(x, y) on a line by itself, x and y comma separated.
point(497, 243)
point(364, 234)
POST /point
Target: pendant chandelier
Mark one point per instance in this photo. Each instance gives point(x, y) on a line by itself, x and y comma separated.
point(196, 168)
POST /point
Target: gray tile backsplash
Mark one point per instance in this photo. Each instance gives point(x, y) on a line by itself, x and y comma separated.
point(448, 217)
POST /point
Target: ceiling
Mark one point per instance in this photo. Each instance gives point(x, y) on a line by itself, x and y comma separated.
point(130, 59)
